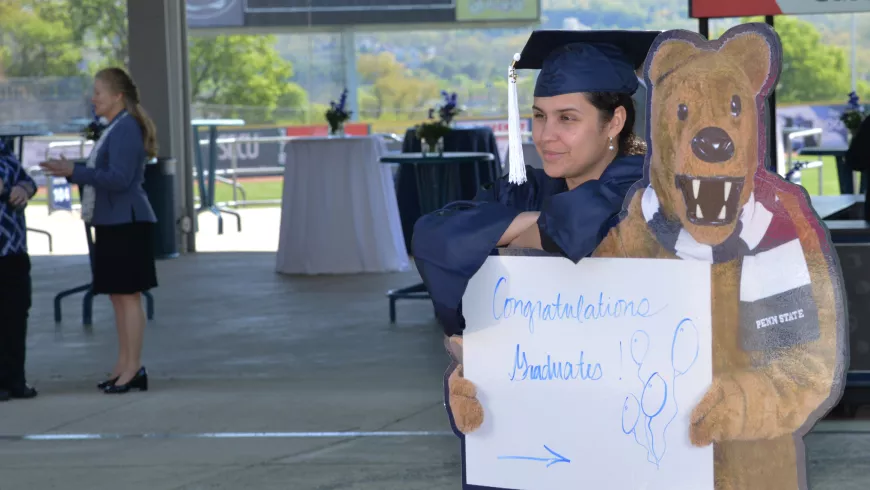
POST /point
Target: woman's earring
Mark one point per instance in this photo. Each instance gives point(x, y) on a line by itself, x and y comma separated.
point(611, 144)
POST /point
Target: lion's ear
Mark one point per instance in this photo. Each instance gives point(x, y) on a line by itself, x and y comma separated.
point(752, 53)
point(667, 56)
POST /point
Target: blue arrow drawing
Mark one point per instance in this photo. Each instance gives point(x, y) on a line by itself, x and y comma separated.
point(557, 458)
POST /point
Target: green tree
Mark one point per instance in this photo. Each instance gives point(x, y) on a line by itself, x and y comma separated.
point(837, 30)
point(101, 25)
point(372, 67)
point(33, 46)
point(812, 71)
point(225, 70)
point(295, 98)
point(392, 90)
point(239, 70)
point(378, 73)
point(400, 96)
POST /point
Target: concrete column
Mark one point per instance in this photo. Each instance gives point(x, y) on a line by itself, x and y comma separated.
point(348, 63)
point(157, 32)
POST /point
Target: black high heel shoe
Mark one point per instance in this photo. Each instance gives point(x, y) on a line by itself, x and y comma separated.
point(107, 383)
point(139, 382)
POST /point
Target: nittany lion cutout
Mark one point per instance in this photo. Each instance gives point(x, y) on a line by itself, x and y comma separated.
point(779, 337)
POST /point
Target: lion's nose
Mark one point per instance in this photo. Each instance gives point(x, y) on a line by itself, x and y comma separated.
point(713, 145)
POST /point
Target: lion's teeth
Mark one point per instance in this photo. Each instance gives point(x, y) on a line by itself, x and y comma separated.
point(722, 213)
point(696, 186)
point(727, 190)
point(698, 212)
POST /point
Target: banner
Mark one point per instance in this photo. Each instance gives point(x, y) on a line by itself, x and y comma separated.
point(254, 154)
point(496, 10)
point(350, 129)
point(255, 16)
point(250, 153)
point(747, 8)
point(587, 373)
point(59, 194)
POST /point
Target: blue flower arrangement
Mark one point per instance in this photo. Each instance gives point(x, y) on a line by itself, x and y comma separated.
point(449, 110)
point(854, 114)
point(337, 114)
point(432, 131)
point(92, 131)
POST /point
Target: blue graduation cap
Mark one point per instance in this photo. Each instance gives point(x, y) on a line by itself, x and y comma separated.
point(573, 62)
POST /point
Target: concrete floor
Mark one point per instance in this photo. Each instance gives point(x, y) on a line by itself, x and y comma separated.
point(236, 348)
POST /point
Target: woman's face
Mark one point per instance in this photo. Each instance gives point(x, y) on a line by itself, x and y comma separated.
point(569, 136)
point(106, 103)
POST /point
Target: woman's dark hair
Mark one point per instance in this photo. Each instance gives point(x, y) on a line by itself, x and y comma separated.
point(120, 82)
point(607, 103)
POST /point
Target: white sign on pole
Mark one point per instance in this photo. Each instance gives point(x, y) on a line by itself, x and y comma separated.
point(588, 373)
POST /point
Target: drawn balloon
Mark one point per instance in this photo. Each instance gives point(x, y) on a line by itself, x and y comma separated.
point(630, 414)
point(685, 348)
point(639, 346)
point(654, 396)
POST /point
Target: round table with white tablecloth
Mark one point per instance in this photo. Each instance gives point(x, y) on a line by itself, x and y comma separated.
point(339, 213)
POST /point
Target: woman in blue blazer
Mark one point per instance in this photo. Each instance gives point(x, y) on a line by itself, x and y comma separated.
point(115, 204)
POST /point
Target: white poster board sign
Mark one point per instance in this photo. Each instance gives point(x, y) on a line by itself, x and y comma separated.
point(588, 373)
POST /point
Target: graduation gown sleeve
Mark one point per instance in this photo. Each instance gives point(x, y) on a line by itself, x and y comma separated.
point(452, 243)
point(575, 222)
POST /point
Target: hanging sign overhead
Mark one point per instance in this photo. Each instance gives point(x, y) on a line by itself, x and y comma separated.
point(700, 9)
point(280, 15)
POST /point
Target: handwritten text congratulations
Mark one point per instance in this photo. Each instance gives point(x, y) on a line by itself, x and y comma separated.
point(579, 310)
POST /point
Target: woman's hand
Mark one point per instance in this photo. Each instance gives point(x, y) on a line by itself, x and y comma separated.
point(58, 168)
point(18, 196)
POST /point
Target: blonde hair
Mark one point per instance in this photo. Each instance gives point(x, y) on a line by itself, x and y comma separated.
point(119, 82)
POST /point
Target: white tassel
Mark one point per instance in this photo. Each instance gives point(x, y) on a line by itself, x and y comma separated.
point(517, 171)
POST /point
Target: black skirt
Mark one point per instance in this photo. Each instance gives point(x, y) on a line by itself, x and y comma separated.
point(124, 259)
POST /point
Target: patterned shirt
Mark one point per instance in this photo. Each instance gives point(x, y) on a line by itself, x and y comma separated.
point(13, 230)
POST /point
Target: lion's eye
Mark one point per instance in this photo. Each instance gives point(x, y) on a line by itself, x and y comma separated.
point(682, 112)
point(736, 106)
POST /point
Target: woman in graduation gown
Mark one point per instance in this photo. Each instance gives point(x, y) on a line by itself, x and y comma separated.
point(583, 130)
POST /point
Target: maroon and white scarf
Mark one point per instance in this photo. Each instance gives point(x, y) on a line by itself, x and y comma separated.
point(777, 308)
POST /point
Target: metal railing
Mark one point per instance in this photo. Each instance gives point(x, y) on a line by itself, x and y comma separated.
point(234, 172)
point(80, 143)
point(227, 176)
point(231, 175)
point(54, 144)
point(817, 164)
